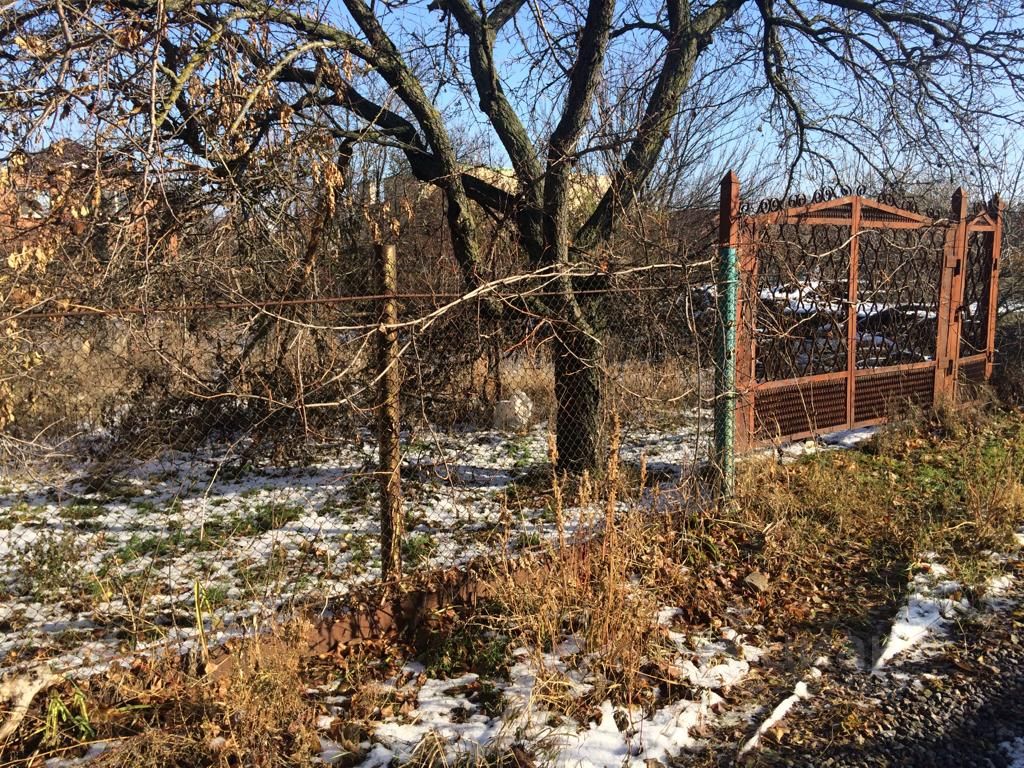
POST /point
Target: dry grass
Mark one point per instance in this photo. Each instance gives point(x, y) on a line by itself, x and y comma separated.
point(602, 589)
point(652, 393)
point(434, 752)
point(156, 715)
point(255, 716)
point(835, 532)
point(950, 482)
point(158, 381)
point(656, 393)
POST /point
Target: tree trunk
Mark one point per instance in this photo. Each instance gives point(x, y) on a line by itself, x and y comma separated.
point(578, 397)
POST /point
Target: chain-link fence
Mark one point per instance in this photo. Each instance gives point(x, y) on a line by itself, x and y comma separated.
point(206, 421)
point(189, 466)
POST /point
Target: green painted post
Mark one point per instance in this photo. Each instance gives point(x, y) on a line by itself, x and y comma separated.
point(725, 347)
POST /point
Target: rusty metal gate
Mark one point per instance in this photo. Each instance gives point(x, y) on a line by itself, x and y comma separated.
point(851, 307)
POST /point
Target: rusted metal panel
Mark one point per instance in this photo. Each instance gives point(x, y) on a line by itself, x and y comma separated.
point(974, 304)
point(813, 407)
point(972, 371)
point(768, 386)
point(884, 390)
point(907, 368)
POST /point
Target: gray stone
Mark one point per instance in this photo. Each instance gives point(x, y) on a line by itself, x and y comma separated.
point(757, 580)
point(514, 413)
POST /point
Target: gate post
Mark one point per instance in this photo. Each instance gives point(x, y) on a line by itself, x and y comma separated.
point(725, 347)
point(852, 311)
point(951, 294)
point(746, 353)
point(997, 209)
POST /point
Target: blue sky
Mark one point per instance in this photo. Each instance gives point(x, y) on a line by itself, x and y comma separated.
point(741, 123)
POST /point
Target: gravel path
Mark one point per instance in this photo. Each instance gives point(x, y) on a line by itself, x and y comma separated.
point(945, 716)
point(960, 706)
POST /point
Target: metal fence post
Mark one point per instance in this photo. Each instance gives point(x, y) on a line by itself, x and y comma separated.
point(852, 311)
point(725, 347)
point(391, 523)
point(997, 210)
point(951, 293)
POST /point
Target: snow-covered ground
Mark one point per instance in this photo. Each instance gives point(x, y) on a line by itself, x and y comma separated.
point(548, 701)
point(1015, 752)
point(451, 717)
point(91, 569)
point(933, 601)
point(547, 704)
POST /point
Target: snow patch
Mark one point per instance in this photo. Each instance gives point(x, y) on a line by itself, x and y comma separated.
point(615, 736)
point(932, 602)
point(833, 441)
point(996, 590)
point(93, 752)
point(1015, 752)
point(603, 744)
point(17, 693)
point(800, 692)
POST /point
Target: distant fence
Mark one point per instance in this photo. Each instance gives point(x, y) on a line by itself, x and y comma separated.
point(850, 307)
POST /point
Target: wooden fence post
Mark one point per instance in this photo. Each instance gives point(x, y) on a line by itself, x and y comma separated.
point(388, 415)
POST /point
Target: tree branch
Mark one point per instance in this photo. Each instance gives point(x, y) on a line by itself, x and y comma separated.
point(688, 39)
point(583, 80)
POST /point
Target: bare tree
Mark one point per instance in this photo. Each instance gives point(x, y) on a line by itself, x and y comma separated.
point(220, 92)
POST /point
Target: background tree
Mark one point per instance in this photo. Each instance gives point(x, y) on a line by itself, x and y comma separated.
point(228, 102)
